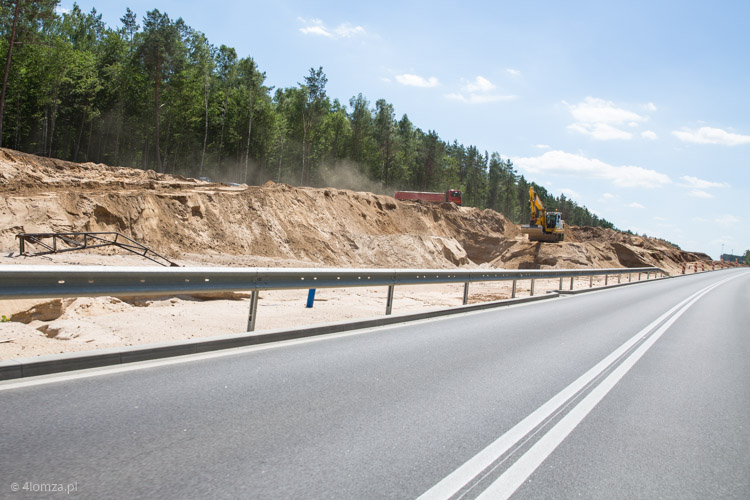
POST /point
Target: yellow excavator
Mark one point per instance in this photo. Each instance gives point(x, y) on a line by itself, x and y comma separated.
point(545, 226)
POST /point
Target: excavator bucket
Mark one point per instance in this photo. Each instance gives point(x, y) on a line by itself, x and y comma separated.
point(536, 233)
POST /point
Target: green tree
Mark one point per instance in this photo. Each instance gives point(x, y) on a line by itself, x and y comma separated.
point(226, 63)
point(430, 154)
point(332, 138)
point(250, 82)
point(202, 64)
point(315, 106)
point(494, 180)
point(130, 24)
point(362, 129)
point(23, 22)
point(157, 48)
point(384, 135)
point(405, 157)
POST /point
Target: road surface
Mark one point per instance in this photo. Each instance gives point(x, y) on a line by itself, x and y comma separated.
point(641, 391)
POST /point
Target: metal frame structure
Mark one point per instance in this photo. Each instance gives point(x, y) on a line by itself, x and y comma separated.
point(27, 282)
point(86, 240)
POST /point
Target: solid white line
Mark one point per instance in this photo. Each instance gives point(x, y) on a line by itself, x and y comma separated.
point(458, 479)
point(517, 474)
point(143, 365)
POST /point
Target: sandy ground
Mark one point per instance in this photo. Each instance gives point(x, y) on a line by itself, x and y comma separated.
point(95, 323)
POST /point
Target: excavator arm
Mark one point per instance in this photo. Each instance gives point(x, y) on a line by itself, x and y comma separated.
point(537, 207)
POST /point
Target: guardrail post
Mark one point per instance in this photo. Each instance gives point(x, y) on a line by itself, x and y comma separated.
point(310, 298)
point(571, 282)
point(253, 311)
point(560, 284)
point(630, 277)
point(591, 281)
point(606, 279)
point(532, 287)
point(389, 306)
point(639, 276)
point(619, 278)
point(648, 275)
point(466, 293)
point(513, 294)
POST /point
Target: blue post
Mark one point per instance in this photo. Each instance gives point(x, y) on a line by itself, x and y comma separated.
point(310, 298)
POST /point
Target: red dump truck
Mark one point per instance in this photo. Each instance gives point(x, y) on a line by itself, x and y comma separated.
point(453, 195)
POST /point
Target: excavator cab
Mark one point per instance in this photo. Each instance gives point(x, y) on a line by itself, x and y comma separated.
point(554, 220)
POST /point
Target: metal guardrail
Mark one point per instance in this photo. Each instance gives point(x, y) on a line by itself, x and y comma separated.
point(34, 282)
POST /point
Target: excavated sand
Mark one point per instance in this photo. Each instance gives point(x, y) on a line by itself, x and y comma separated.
point(275, 225)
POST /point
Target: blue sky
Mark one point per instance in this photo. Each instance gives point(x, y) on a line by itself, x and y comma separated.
point(638, 110)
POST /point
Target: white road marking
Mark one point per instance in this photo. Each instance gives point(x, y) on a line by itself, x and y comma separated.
point(517, 474)
point(475, 466)
point(143, 365)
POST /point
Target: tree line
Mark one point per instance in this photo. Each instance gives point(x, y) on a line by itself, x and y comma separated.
point(154, 93)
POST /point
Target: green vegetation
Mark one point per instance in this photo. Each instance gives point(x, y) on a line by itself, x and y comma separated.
point(747, 257)
point(159, 95)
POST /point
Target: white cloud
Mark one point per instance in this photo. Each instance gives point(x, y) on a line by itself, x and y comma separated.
point(710, 135)
point(317, 28)
point(608, 196)
point(600, 131)
point(478, 92)
point(417, 81)
point(634, 205)
point(600, 119)
point(542, 146)
point(696, 183)
point(594, 110)
point(481, 84)
point(570, 193)
point(651, 107)
point(60, 10)
point(697, 193)
point(514, 73)
point(562, 163)
point(314, 27)
point(649, 134)
point(348, 30)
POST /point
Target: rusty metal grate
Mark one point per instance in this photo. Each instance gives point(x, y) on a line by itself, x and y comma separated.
point(68, 242)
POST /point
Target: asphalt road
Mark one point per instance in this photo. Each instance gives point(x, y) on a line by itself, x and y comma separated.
point(636, 392)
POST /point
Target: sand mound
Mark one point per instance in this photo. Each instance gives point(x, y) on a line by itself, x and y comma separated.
point(176, 216)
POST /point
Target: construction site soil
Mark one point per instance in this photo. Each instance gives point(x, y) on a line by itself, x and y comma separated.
point(275, 225)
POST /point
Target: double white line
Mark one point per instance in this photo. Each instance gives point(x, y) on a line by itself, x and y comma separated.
point(513, 477)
